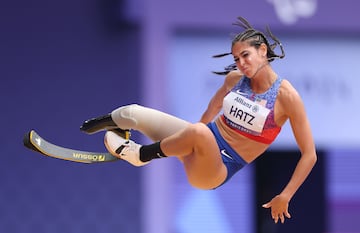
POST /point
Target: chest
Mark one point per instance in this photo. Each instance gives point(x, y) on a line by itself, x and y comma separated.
point(251, 112)
point(244, 113)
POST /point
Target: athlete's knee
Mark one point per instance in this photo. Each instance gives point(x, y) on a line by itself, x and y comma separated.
point(199, 131)
point(124, 116)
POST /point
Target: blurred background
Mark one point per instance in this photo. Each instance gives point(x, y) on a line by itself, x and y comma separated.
point(66, 61)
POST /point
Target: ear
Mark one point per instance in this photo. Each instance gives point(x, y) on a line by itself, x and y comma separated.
point(263, 50)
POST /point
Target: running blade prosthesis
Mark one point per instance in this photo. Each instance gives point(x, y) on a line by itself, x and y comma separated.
point(100, 123)
point(35, 142)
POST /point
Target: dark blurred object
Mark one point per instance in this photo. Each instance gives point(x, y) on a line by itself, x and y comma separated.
point(307, 207)
point(113, 15)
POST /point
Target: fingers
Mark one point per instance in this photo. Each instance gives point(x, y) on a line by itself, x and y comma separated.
point(277, 217)
point(281, 216)
point(287, 214)
point(279, 209)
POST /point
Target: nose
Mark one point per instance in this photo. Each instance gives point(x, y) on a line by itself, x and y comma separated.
point(241, 63)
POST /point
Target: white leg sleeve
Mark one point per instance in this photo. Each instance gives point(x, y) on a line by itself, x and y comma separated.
point(153, 123)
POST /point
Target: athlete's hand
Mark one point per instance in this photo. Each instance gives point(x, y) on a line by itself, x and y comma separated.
point(279, 208)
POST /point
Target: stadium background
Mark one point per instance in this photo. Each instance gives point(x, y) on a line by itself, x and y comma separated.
point(63, 62)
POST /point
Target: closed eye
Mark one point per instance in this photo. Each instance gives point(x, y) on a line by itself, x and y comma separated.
point(244, 55)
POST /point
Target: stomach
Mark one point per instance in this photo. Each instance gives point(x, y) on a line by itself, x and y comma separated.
point(247, 148)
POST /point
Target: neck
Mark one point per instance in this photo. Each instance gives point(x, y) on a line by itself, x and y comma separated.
point(263, 79)
point(260, 67)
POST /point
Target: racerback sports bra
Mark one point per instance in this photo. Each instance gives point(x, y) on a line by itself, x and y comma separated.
point(251, 114)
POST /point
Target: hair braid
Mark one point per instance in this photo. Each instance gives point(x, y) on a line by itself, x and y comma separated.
point(255, 38)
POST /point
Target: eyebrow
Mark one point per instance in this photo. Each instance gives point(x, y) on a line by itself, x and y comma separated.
point(241, 53)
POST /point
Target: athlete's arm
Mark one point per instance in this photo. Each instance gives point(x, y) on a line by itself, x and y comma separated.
point(216, 101)
point(294, 108)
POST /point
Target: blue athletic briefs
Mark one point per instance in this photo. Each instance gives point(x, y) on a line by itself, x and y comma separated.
point(231, 159)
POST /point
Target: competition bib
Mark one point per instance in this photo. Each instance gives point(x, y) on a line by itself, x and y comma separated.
point(244, 114)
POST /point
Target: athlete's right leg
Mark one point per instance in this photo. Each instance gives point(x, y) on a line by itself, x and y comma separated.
point(154, 124)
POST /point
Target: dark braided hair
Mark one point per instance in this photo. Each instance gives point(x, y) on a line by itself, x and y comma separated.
point(255, 38)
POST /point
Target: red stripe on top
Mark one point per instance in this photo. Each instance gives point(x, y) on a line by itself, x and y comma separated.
point(267, 136)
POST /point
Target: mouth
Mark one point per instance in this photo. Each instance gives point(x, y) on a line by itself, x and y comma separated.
point(245, 69)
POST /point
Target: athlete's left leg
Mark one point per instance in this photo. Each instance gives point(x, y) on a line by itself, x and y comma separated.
point(195, 145)
point(200, 155)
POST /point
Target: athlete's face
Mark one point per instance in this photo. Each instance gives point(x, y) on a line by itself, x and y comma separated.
point(247, 58)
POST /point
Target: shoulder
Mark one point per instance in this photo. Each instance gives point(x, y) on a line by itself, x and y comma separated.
point(287, 91)
point(289, 98)
point(232, 78)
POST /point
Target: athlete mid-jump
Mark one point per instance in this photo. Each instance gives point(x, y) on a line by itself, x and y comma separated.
point(254, 103)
